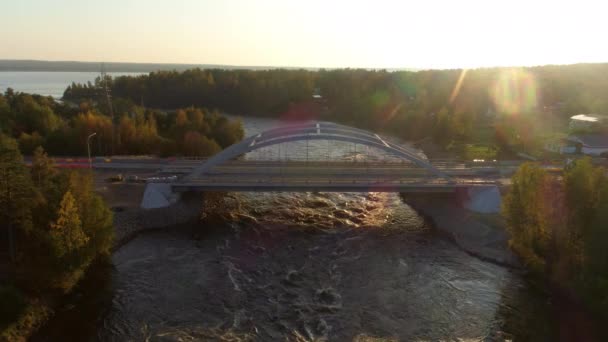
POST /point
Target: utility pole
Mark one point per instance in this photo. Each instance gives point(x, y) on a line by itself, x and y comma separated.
point(89, 149)
point(106, 90)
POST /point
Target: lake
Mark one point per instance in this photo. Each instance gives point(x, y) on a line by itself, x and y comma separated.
point(48, 83)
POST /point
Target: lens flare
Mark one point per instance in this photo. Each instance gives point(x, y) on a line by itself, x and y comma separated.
point(458, 85)
point(515, 91)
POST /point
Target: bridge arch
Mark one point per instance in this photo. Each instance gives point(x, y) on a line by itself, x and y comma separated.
point(314, 131)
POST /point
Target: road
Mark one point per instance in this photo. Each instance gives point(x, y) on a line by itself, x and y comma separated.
point(302, 173)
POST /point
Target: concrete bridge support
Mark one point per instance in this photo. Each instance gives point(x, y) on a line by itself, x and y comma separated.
point(160, 207)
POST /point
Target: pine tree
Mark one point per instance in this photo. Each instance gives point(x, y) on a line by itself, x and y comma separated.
point(67, 233)
point(97, 220)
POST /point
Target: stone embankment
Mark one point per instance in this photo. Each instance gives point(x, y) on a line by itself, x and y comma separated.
point(481, 234)
point(132, 221)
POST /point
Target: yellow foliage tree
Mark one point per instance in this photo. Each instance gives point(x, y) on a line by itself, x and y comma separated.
point(67, 233)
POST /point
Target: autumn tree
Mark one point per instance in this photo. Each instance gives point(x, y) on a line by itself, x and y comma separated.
point(33, 116)
point(43, 168)
point(559, 227)
point(583, 182)
point(96, 217)
point(227, 132)
point(67, 239)
point(92, 122)
point(198, 145)
point(67, 235)
point(523, 208)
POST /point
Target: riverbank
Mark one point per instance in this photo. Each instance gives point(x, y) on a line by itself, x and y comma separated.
point(131, 222)
point(483, 236)
point(33, 311)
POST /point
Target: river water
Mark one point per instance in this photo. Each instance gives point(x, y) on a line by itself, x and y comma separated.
point(301, 267)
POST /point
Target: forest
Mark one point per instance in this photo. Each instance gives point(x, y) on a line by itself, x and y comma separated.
point(63, 128)
point(500, 109)
point(57, 227)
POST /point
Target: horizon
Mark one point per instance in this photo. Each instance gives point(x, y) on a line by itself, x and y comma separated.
point(263, 67)
point(363, 34)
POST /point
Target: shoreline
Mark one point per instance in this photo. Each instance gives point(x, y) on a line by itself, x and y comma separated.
point(482, 236)
point(128, 224)
point(446, 215)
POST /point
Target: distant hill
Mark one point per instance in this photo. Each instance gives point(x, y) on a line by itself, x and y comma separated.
point(34, 65)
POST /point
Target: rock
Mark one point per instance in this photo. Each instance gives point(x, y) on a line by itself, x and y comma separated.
point(328, 297)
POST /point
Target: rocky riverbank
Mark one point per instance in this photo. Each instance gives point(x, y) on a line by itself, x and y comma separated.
point(129, 222)
point(481, 235)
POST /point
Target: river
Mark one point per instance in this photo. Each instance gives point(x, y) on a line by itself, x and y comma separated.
point(301, 267)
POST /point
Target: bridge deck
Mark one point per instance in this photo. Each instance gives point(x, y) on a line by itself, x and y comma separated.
point(297, 176)
point(332, 168)
point(323, 187)
point(294, 184)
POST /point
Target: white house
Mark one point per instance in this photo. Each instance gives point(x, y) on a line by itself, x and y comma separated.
point(589, 122)
point(561, 146)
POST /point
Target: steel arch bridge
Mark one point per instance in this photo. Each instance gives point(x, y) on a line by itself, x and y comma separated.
point(314, 131)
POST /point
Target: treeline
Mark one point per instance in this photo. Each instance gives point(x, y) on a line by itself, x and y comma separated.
point(506, 108)
point(560, 228)
point(62, 129)
point(54, 227)
point(234, 91)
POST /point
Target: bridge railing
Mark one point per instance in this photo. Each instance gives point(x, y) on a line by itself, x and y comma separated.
point(281, 181)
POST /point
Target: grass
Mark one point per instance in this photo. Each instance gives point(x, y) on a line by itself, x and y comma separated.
point(479, 152)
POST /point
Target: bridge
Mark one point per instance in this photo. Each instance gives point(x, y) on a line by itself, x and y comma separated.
point(407, 171)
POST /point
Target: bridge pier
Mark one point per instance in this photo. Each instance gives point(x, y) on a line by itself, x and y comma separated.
point(161, 207)
point(477, 199)
point(485, 200)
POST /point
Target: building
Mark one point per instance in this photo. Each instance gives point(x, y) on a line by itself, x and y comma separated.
point(590, 144)
point(561, 146)
point(587, 122)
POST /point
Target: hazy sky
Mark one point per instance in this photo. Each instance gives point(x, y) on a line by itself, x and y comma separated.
point(311, 33)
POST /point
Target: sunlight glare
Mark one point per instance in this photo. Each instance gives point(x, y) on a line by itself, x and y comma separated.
point(515, 91)
point(458, 85)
